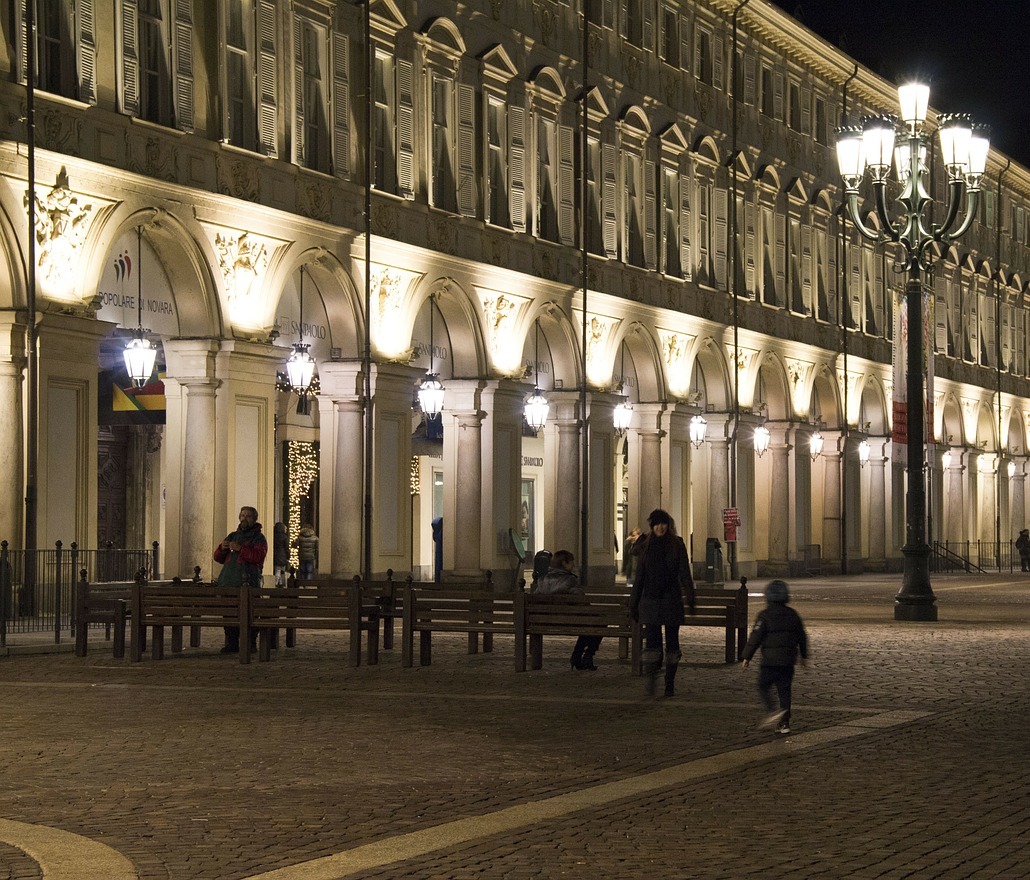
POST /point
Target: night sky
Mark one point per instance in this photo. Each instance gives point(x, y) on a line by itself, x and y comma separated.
point(975, 56)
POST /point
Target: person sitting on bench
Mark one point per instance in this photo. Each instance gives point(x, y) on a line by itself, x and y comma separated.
point(560, 578)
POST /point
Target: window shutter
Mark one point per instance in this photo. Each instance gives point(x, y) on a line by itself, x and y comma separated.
point(750, 216)
point(806, 268)
point(778, 96)
point(23, 43)
point(686, 218)
point(718, 62)
point(749, 80)
point(1020, 324)
point(624, 17)
point(298, 92)
point(879, 291)
point(854, 284)
point(517, 167)
point(1006, 331)
point(954, 318)
point(650, 215)
point(704, 233)
point(566, 186)
point(832, 281)
point(648, 6)
point(611, 243)
point(780, 226)
point(940, 314)
point(722, 203)
point(608, 13)
point(182, 48)
point(87, 53)
point(341, 105)
point(268, 114)
point(987, 309)
point(130, 60)
point(405, 130)
point(684, 45)
point(466, 151)
point(806, 112)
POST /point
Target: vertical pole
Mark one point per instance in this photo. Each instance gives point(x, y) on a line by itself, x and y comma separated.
point(584, 226)
point(731, 546)
point(916, 600)
point(31, 369)
point(997, 355)
point(842, 303)
point(367, 353)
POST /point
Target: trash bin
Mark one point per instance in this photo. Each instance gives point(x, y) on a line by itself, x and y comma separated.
point(713, 561)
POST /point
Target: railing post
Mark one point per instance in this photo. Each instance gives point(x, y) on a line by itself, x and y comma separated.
point(57, 593)
point(74, 567)
point(156, 568)
point(5, 591)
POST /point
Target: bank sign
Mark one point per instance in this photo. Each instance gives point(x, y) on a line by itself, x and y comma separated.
point(120, 285)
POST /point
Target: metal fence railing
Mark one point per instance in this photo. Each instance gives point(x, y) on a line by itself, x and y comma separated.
point(37, 586)
point(972, 556)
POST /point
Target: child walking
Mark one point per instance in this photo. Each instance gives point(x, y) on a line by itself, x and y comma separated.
point(779, 632)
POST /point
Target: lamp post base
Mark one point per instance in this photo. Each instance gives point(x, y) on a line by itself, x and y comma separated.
point(916, 600)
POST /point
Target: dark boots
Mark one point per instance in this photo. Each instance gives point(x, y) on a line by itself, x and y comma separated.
point(671, 662)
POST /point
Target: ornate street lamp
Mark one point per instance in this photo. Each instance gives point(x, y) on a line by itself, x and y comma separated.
point(622, 415)
point(964, 150)
point(815, 445)
point(698, 430)
point(946, 459)
point(139, 353)
point(300, 367)
point(536, 407)
point(1012, 469)
point(430, 392)
point(762, 438)
point(863, 453)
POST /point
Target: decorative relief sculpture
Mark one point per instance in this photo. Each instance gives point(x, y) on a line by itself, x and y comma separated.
point(501, 311)
point(242, 259)
point(675, 350)
point(61, 226)
point(850, 393)
point(798, 372)
point(599, 332)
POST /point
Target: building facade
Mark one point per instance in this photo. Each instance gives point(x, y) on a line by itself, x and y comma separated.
point(631, 202)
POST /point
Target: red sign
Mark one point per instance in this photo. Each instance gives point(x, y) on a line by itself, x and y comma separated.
point(730, 521)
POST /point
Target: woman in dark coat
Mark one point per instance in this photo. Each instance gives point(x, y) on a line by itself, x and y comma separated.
point(662, 586)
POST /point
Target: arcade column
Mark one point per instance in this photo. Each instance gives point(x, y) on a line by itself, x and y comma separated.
point(12, 437)
point(190, 386)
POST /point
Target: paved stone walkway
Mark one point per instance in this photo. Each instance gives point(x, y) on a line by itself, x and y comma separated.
point(908, 758)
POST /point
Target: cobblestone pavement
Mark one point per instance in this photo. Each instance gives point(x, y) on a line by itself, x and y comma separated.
point(908, 757)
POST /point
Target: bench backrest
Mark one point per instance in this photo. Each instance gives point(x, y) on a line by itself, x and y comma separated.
point(202, 603)
point(308, 607)
point(436, 608)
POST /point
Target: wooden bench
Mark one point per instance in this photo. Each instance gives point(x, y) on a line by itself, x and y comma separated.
point(475, 611)
point(564, 614)
point(387, 594)
point(107, 605)
point(311, 607)
point(715, 606)
point(178, 605)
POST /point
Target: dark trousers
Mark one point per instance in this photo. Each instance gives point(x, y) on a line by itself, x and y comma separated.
point(1024, 561)
point(232, 638)
point(780, 677)
point(586, 646)
point(653, 638)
